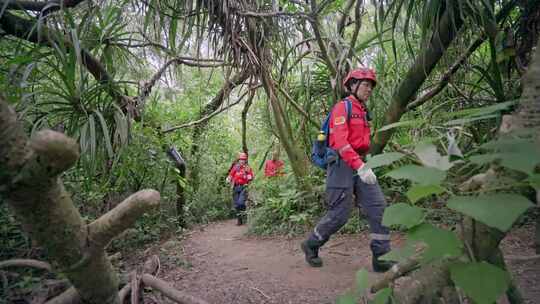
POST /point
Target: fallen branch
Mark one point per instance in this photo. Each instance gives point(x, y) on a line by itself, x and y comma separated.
point(262, 293)
point(522, 257)
point(70, 296)
point(399, 269)
point(339, 252)
point(169, 291)
point(335, 245)
point(151, 266)
point(26, 263)
point(423, 287)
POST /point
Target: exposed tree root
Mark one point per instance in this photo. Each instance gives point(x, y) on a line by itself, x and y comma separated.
point(26, 263)
point(169, 291)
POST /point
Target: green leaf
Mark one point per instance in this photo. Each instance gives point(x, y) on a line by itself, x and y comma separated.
point(407, 123)
point(524, 161)
point(498, 210)
point(521, 154)
point(402, 253)
point(417, 192)
point(172, 33)
point(362, 281)
point(382, 296)
point(481, 110)
point(418, 174)
point(346, 299)
point(93, 138)
point(83, 140)
point(384, 159)
point(440, 242)
point(106, 136)
point(510, 144)
point(482, 282)
point(484, 158)
point(534, 181)
point(430, 157)
point(403, 215)
point(463, 121)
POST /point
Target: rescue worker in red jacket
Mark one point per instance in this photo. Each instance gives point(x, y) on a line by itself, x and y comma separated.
point(239, 176)
point(274, 166)
point(349, 177)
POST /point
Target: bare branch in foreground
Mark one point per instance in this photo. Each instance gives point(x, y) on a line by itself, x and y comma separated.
point(399, 269)
point(204, 119)
point(123, 216)
point(169, 291)
point(26, 263)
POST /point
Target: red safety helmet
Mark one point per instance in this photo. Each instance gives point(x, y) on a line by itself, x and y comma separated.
point(242, 156)
point(360, 74)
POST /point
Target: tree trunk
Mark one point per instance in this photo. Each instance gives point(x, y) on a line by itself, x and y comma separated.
point(528, 115)
point(417, 74)
point(244, 122)
point(199, 129)
point(180, 199)
point(32, 188)
point(297, 159)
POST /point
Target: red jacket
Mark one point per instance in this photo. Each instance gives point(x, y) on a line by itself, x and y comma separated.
point(273, 167)
point(241, 174)
point(350, 138)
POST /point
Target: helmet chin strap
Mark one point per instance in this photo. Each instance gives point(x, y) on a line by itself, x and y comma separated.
point(368, 114)
point(356, 95)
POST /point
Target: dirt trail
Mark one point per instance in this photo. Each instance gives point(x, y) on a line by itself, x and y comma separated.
point(221, 264)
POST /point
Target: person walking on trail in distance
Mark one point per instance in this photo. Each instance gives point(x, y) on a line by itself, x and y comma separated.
point(274, 167)
point(239, 176)
point(349, 179)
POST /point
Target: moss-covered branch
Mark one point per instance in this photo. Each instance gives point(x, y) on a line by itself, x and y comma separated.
point(123, 216)
point(32, 188)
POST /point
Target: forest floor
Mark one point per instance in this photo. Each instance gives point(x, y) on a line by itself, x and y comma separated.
point(221, 263)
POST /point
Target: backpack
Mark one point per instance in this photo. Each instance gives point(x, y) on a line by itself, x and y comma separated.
point(321, 153)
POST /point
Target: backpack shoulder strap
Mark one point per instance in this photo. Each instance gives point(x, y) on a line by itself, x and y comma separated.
point(348, 108)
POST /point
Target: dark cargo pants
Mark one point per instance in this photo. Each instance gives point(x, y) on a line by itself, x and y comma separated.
point(341, 188)
point(239, 197)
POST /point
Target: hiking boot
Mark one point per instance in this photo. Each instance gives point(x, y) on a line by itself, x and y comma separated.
point(311, 250)
point(381, 265)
